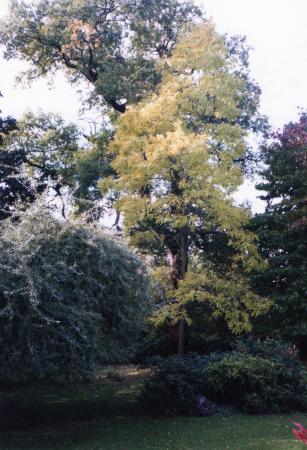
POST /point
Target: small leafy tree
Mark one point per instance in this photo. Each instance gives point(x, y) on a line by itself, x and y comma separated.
point(70, 299)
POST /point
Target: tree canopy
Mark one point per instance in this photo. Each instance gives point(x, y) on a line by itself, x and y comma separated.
point(7, 124)
point(14, 185)
point(38, 155)
point(113, 44)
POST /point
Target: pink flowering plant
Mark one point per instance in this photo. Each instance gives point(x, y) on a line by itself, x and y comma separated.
point(300, 432)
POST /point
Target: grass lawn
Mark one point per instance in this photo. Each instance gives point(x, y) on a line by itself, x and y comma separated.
point(106, 416)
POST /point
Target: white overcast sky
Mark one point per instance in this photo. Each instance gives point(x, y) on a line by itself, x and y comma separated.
point(275, 29)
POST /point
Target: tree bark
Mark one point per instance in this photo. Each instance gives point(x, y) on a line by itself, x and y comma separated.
point(181, 335)
point(178, 257)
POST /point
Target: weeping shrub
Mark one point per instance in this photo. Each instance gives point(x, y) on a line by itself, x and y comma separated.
point(70, 298)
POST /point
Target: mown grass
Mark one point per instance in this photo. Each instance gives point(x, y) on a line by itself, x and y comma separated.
point(106, 416)
point(208, 433)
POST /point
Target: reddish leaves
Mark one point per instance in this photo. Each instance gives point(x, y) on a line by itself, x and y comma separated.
point(299, 432)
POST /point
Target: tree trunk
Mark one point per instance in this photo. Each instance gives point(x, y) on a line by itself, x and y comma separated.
point(181, 327)
point(178, 258)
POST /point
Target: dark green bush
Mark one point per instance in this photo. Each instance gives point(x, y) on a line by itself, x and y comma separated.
point(256, 384)
point(174, 386)
point(267, 348)
point(254, 380)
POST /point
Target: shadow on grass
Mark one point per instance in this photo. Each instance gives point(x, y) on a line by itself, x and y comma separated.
point(43, 405)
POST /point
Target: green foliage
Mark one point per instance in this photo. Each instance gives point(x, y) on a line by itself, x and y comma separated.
point(14, 186)
point(205, 333)
point(228, 297)
point(267, 348)
point(112, 44)
point(176, 162)
point(50, 147)
point(256, 384)
point(177, 152)
point(46, 154)
point(174, 386)
point(217, 308)
point(253, 378)
point(70, 298)
point(38, 155)
point(282, 234)
point(157, 24)
point(92, 165)
point(7, 124)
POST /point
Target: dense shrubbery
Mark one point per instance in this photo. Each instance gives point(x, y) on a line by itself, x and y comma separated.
point(255, 380)
point(70, 298)
point(255, 384)
point(175, 385)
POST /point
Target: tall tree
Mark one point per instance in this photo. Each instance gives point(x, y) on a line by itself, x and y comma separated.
point(113, 44)
point(176, 158)
point(282, 232)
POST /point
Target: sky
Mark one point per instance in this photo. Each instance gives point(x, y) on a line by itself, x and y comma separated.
point(275, 29)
